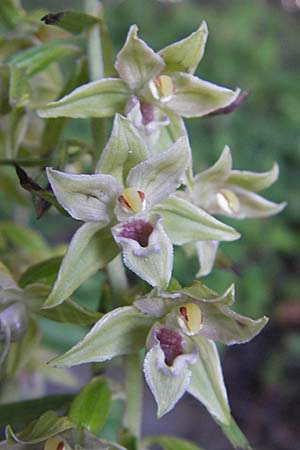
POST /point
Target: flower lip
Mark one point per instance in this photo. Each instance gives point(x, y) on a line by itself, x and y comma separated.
point(137, 230)
point(171, 344)
point(147, 112)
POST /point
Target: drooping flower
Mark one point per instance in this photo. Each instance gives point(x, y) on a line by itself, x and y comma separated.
point(178, 329)
point(232, 193)
point(124, 203)
point(163, 84)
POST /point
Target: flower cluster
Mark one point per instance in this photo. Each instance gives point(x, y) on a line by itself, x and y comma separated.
point(141, 201)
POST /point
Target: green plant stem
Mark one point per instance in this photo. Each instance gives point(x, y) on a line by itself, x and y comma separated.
point(117, 281)
point(96, 71)
point(134, 395)
point(95, 55)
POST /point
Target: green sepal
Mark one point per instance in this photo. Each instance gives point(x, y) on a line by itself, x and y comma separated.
point(91, 248)
point(124, 150)
point(91, 405)
point(49, 424)
point(122, 331)
point(37, 58)
point(11, 14)
point(6, 279)
point(200, 291)
point(20, 353)
point(102, 98)
point(136, 62)
point(253, 181)
point(195, 223)
point(194, 97)
point(185, 55)
point(169, 443)
point(207, 383)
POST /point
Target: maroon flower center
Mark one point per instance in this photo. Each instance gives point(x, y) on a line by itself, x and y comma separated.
point(170, 343)
point(138, 230)
point(147, 113)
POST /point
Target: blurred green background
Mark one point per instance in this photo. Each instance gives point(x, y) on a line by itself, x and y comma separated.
point(255, 45)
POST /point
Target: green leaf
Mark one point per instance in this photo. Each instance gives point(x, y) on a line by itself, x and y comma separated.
point(44, 272)
point(91, 248)
point(10, 14)
point(101, 98)
point(185, 55)
point(73, 21)
point(185, 222)
point(167, 388)
point(19, 89)
point(22, 239)
point(207, 383)
point(169, 443)
point(124, 150)
point(4, 89)
point(137, 63)
point(235, 435)
point(22, 412)
point(194, 97)
point(21, 352)
point(122, 331)
point(37, 58)
point(68, 312)
point(91, 406)
point(49, 424)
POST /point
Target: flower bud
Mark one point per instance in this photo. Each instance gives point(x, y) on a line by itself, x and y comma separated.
point(15, 318)
point(55, 443)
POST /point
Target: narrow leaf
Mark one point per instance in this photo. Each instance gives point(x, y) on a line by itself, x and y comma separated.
point(235, 435)
point(73, 21)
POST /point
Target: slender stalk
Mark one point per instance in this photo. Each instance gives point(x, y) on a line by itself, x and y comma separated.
point(95, 55)
point(134, 394)
point(117, 280)
point(96, 71)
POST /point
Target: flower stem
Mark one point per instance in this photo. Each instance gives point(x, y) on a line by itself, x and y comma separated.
point(134, 395)
point(95, 56)
point(117, 281)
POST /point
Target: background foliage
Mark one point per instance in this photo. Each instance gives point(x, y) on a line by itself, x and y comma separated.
point(253, 44)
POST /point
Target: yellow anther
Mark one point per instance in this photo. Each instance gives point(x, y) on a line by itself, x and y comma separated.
point(190, 318)
point(228, 201)
point(55, 443)
point(133, 200)
point(162, 88)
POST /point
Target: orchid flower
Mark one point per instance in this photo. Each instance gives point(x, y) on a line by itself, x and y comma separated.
point(162, 84)
point(130, 202)
point(178, 329)
point(232, 193)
